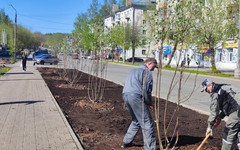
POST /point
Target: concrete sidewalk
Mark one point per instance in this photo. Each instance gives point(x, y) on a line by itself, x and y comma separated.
point(30, 118)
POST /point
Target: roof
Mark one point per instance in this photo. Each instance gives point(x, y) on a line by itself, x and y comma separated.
point(144, 2)
point(141, 3)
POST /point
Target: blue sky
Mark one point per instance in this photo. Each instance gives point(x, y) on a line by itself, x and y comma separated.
point(46, 16)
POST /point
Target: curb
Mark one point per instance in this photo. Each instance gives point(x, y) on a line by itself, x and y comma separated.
point(73, 135)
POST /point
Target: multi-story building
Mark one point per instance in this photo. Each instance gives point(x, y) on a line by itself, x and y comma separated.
point(133, 14)
point(225, 54)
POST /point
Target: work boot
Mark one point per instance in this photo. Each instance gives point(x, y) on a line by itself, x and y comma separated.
point(126, 145)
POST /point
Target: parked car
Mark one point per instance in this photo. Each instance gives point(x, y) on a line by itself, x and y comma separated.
point(136, 59)
point(75, 55)
point(40, 51)
point(47, 59)
point(85, 56)
point(5, 54)
point(91, 57)
point(39, 56)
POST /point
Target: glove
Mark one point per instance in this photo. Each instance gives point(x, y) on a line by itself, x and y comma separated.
point(217, 122)
point(151, 107)
point(209, 130)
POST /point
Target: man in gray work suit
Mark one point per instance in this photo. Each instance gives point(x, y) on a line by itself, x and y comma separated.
point(137, 95)
point(225, 101)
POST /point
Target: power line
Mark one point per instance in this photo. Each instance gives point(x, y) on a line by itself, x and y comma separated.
point(44, 20)
point(48, 28)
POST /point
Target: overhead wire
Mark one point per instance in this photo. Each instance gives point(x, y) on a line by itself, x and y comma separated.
point(47, 21)
point(44, 20)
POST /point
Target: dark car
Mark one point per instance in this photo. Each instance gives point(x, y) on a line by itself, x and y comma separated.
point(136, 59)
point(5, 54)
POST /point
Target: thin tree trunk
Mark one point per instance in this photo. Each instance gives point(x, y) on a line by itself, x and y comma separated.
point(212, 58)
point(133, 52)
point(172, 53)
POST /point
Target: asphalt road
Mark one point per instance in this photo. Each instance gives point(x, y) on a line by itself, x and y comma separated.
point(190, 95)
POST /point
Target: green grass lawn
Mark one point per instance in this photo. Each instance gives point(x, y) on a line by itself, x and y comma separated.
point(185, 70)
point(202, 72)
point(4, 70)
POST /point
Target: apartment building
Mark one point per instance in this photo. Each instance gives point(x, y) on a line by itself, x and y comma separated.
point(131, 14)
point(225, 54)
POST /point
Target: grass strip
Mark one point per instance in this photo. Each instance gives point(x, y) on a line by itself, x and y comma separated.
point(202, 72)
point(185, 70)
point(4, 70)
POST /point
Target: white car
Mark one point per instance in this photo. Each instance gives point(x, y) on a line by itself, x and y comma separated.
point(91, 57)
point(47, 59)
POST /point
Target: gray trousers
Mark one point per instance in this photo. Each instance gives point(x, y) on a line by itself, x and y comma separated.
point(231, 131)
point(134, 105)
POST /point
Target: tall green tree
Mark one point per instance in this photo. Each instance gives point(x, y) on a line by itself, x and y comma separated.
point(90, 29)
point(4, 19)
point(106, 9)
point(183, 19)
point(38, 40)
point(26, 39)
point(9, 31)
point(214, 25)
point(135, 37)
point(93, 11)
point(81, 19)
point(122, 3)
point(55, 40)
point(162, 21)
point(116, 36)
point(80, 25)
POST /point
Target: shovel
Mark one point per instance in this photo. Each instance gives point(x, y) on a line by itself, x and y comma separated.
point(204, 140)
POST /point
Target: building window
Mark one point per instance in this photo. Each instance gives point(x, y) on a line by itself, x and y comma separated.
point(143, 52)
point(144, 32)
point(144, 42)
point(144, 21)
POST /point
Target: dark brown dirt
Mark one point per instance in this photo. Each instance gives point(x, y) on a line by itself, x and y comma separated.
point(4, 61)
point(101, 126)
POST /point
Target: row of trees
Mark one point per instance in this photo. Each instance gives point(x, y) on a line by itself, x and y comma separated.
point(25, 39)
point(184, 23)
point(89, 30)
point(178, 23)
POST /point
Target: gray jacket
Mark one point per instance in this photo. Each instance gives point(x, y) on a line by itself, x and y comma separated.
point(134, 83)
point(225, 99)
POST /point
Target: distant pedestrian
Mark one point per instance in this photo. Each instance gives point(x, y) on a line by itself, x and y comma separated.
point(24, 60)
point(138, 87)
point(188, 61)
point(183, 62)
point(225, 100)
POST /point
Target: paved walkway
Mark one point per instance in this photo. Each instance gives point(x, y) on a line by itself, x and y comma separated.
point(30, 118)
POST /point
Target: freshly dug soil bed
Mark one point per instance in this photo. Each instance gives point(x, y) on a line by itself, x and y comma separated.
point(101, 126)
point(4, 61)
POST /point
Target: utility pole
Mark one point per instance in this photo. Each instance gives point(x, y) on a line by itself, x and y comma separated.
point(237, 70)
point(15, 32)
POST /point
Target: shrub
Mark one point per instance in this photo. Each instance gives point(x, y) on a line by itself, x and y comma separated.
point(167, 66)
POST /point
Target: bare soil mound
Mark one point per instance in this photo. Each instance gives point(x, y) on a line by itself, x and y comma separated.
point(101, 126)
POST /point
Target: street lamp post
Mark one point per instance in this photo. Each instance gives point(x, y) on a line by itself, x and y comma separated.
point(15, 31)
point(237, 70)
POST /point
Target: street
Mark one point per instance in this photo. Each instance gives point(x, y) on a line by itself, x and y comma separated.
point(198, 101)
point(191, 95)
